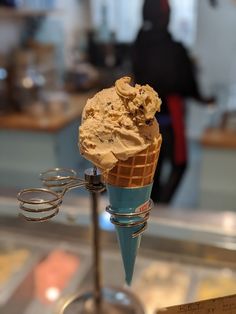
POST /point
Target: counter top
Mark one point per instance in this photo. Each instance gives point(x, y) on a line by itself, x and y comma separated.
point(47, 122)
point(201, 225)
point(219, 138)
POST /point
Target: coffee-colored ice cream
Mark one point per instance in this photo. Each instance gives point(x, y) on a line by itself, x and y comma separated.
point(119, 122)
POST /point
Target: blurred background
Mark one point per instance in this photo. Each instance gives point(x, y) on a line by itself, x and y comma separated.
point(54, 55)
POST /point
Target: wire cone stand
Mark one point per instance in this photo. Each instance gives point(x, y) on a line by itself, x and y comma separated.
point(42, 204)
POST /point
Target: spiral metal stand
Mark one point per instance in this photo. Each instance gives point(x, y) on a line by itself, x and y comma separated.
point(42, 204)
point(142, 221)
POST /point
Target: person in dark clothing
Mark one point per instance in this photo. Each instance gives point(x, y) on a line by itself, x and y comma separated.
point(165, 65)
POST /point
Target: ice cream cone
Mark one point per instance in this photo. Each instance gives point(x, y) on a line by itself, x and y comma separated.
point(129, 189)
point(136, 171)
point(120, 135)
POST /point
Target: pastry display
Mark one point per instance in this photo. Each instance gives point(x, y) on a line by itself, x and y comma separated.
point(11, 262)
point(216, 285)
point(53, 274)
point(157, 280)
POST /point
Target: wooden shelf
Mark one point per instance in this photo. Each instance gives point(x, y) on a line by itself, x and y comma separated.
point(219, 138)
point(21, 13)
point(48, 122)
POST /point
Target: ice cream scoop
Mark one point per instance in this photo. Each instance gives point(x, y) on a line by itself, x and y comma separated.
point(118, 122)
point(120, 135)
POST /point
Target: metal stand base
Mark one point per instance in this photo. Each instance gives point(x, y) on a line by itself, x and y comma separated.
point(114, 301)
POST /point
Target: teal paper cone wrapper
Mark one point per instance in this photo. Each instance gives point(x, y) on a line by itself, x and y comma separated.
point(128, 200)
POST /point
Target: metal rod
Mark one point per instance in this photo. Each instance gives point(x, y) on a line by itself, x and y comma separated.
point(96, 253)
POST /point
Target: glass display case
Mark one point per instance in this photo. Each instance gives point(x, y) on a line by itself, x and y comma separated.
point(185, 256)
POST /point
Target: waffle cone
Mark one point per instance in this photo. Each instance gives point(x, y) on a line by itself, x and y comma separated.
point(136, 171)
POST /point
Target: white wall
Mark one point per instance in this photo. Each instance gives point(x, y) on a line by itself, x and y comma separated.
point(215, 46)
point(183, 21)
point(123, 17)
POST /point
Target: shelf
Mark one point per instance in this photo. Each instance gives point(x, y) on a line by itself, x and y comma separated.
point(47, 122)
point(219, 138)
point(21, 13)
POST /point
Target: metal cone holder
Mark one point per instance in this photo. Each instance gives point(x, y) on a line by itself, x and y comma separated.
point(142, 222)
point(42, 204)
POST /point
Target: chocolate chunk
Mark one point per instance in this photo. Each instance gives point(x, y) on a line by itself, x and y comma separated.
point(149, 121)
